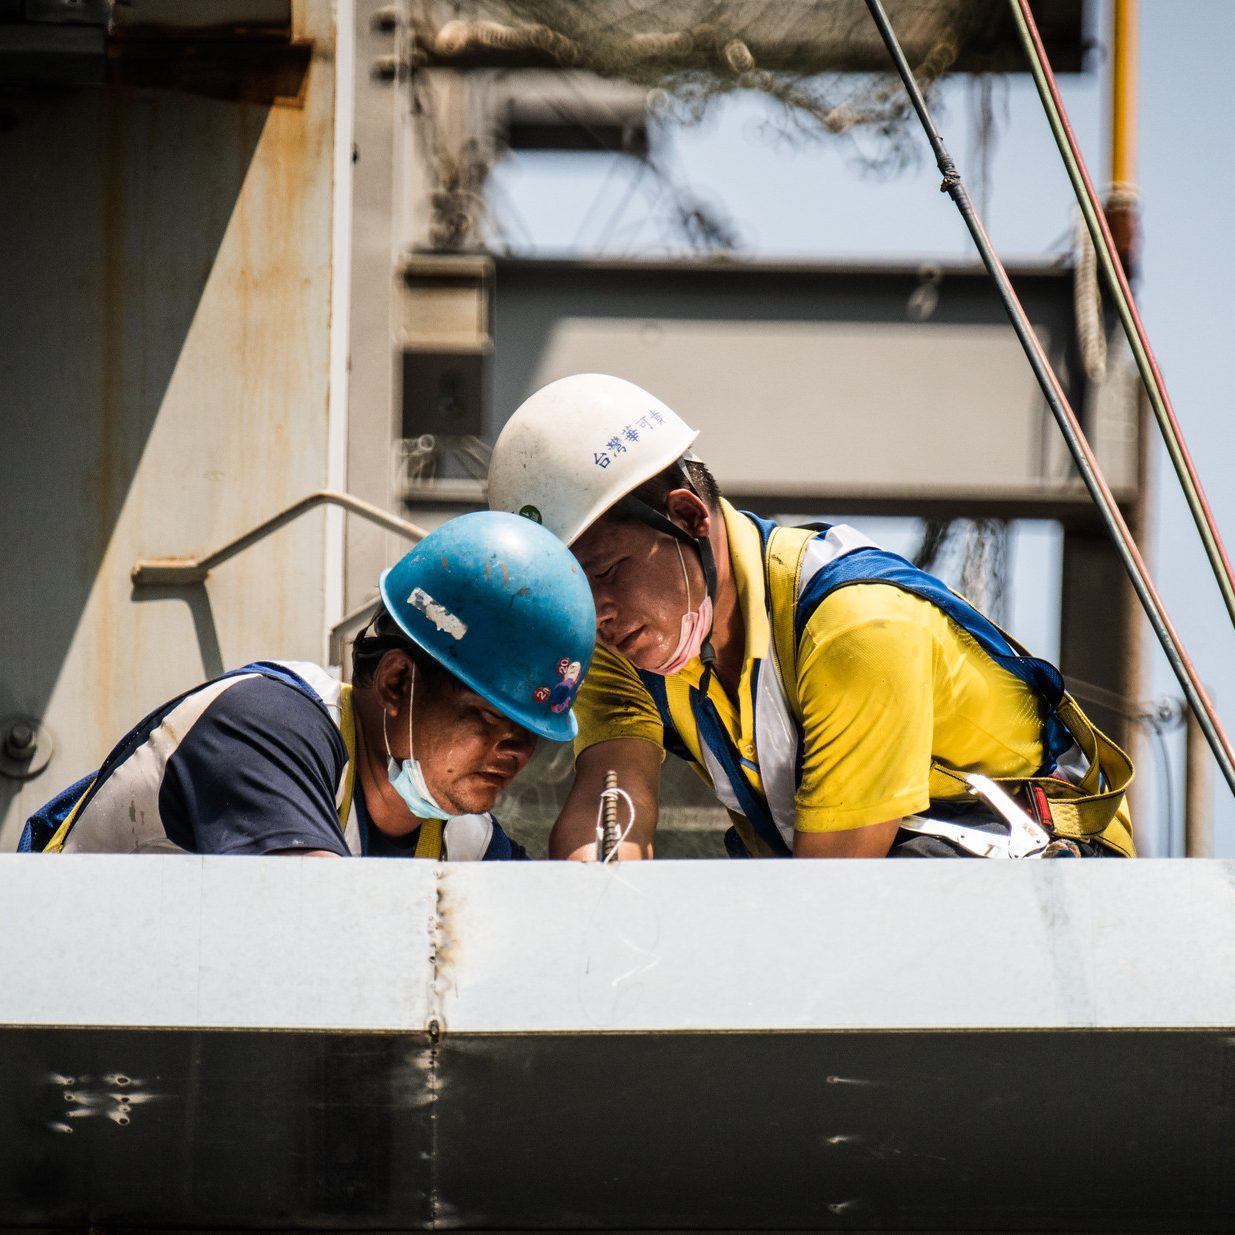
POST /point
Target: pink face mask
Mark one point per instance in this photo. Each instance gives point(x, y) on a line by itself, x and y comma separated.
point(696, 626)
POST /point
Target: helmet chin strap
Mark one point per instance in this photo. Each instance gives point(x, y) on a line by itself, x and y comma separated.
point(637, 508)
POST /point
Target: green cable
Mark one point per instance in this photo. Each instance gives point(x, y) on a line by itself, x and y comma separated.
point(1083, 188)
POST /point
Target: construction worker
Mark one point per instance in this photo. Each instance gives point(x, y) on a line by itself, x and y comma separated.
point(484, 632)
point(841, 702)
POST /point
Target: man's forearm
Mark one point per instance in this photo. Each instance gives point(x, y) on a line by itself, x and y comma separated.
point(637, 764)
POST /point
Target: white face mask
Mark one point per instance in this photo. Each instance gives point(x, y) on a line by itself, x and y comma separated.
point(408, 779)
point(696, 626)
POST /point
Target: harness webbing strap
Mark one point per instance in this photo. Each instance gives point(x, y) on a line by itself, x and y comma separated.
point(56, 844)
point(429, 841)
point(1081, 811)
point(347, 730)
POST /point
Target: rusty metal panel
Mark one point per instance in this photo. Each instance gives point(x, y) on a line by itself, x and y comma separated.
point(166, 373)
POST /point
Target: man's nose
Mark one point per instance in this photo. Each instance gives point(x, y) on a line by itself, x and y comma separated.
point(517, 741)
point(606, 606)
point(602, 598)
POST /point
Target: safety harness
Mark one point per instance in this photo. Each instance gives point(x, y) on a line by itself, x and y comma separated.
point(1081, 807)
point(47, 830)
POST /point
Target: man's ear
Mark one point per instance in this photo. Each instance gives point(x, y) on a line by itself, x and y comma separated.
point(689, 511)
point(392, 679)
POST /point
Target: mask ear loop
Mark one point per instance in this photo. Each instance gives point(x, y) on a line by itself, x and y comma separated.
point(637, 508)
point(677, 544)
point(411, 697)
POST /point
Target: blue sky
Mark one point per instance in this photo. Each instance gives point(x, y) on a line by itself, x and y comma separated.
point(809, 201)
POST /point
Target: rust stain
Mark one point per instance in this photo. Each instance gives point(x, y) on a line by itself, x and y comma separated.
point(276, 268)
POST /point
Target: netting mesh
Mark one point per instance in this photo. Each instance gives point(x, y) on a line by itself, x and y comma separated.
point(970, 555)
point(822, 59)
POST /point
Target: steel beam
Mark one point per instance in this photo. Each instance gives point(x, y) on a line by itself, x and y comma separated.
point(828, 1046)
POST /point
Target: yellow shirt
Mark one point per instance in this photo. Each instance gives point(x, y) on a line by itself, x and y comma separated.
point(886, 682)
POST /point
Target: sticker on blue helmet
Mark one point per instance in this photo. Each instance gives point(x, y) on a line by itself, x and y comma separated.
point(438, 614)
point(561, 696)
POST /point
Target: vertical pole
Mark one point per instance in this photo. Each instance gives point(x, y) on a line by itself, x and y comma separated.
point(1099, 617)
point(1123, 216)
point(1122, 208)
point(1108, 652)
point(1198, 824)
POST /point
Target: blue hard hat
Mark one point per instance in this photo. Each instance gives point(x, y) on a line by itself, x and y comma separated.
point(503, 605)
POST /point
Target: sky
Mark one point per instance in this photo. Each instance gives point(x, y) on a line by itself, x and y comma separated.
point(810, 201)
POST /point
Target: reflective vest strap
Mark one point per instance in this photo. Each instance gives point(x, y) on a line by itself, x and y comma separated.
point(785, 548)
point(712, 732)
point(429, 841)
point(347, 730)
point(56, 844)
point(758, 829)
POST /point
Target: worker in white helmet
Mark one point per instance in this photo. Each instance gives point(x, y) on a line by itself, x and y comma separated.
point(841, 702)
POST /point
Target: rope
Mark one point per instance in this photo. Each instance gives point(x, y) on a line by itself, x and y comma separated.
point(1087, 305)
point(1117, 283)
point(1065, 417)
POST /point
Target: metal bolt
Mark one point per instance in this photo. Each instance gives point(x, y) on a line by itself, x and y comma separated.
point(389, 68)
point(388, 20)
point(20, 741)
point(25, 747)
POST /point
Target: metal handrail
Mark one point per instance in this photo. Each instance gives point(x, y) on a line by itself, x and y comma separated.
point(154, 571)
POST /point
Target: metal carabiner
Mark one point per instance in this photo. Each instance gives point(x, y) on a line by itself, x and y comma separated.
point(1026, 837)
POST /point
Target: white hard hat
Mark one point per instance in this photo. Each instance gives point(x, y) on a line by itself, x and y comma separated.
point(578, 446)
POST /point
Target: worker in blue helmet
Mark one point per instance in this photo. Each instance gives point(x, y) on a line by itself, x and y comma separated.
point(480, 643)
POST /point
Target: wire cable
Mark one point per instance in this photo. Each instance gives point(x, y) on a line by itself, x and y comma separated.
point(1065, 417)
point(1121, 291)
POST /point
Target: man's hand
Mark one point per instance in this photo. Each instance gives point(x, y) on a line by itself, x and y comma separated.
point(869, 842)
point(637, 764)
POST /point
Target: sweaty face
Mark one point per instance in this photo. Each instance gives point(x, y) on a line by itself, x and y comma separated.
point(469, 752)
point(637, 583)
